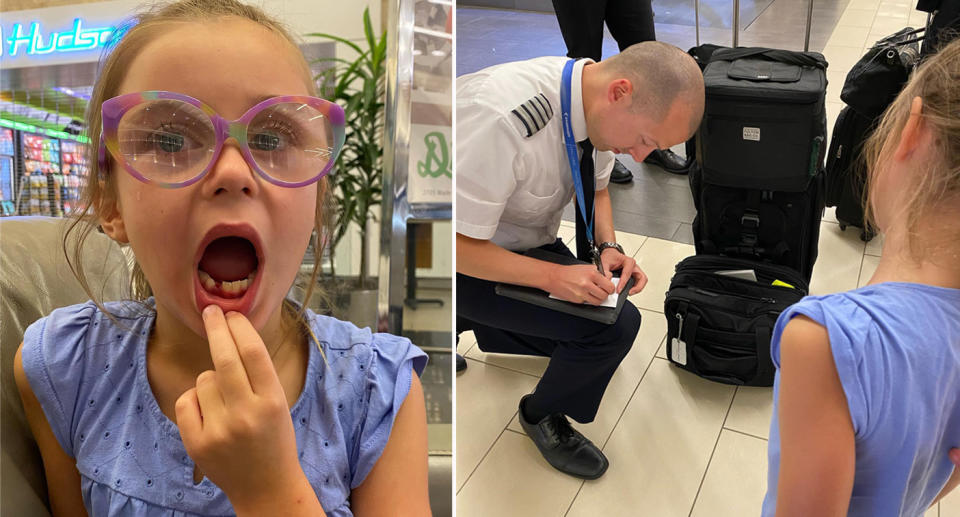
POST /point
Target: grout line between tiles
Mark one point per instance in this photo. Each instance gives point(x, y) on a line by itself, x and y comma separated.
point(504, 367)
point(485, 454)
point(612, 429)
point(747, 434)
point(629, 400)
point(714, 451)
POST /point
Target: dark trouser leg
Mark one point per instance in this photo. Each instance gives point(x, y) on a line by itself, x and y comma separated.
point(630, 21)
point(583, 353)
point(581, 23)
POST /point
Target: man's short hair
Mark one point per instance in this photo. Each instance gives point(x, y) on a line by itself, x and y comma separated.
point(660, 73)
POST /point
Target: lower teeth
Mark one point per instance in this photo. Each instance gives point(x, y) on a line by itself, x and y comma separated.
point(226, 289)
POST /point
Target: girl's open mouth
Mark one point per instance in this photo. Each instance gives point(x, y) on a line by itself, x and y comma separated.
point(227, 268)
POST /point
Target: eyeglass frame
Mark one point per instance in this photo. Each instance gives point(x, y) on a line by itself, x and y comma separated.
point(113, 109)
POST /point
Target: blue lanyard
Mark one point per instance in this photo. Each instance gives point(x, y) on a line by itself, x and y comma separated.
point(571, 144)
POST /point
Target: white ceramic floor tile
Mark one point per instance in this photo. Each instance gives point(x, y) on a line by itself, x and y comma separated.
point(838, 261)
point(888, 24)
point(568, 234)
point(653, 328)
point(662, 351)
point(467, 340)
point(875, 246)
point(487, 398)
point(529, 364)
point(835, 86)
point(933, 512)
point(660, 449)
point(631, 242)
point(830, 214)
point(950, 505)
point(658, 258)
point(868, 268)
point(515, 480)
point(849, 36)
point(751, 411)
point(899, 13)
point(842, 58)
point(917, 19)
point(863, 5)
point(857, 18)
point(833, 111)
point(736, 480)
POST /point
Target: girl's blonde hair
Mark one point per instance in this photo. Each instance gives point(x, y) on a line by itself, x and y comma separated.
point(937, 82)
point(99, 195)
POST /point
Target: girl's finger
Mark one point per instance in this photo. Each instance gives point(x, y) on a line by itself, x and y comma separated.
point(209, 397)
point(256, 360)
point(189, 421)
point(226, 359)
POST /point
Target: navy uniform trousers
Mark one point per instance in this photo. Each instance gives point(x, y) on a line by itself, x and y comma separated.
point(581, 23)
point(583, 353)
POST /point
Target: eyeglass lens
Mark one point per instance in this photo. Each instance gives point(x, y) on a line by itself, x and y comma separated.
point(171, 141)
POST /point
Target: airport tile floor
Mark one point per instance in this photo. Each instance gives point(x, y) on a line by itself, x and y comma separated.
point(678, 445)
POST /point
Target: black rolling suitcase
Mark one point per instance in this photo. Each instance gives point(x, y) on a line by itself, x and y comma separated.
point(869, 88)
point(760, 149)
point(846, 171)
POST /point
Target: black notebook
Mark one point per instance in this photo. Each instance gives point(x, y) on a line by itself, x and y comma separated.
point(542, 298)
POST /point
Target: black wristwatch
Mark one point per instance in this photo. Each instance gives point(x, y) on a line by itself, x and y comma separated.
point(605, 245)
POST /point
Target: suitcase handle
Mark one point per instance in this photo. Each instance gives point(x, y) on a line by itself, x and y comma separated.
point(782, 56)
point(736, 22)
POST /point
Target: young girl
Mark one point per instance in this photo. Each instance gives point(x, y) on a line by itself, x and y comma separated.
point(222, 397)
point(867, 393)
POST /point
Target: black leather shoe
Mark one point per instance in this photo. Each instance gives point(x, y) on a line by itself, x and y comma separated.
point(669, 161)
point(620, 174)
point(563, 447)
point(461, 363)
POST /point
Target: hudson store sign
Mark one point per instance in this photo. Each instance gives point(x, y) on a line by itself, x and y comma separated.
point(60, 35)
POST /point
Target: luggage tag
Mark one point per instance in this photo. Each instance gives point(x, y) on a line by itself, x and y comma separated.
point(678, 348)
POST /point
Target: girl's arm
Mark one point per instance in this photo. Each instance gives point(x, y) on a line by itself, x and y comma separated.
point(63, 479)
point(954, 480)
point(397, 485)
point(817, 454)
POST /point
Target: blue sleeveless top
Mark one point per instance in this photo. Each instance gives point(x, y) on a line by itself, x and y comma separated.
point(91, 380)
point(897, 351)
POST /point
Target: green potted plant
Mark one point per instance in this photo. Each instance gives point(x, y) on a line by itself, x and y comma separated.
point(358, 85)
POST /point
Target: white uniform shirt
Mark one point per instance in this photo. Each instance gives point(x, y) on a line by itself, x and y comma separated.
point(511, 188)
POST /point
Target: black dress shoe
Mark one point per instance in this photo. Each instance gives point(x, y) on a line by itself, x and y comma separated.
point(669, 161)
point(563, 447)
point(461, 363)
point(620, 174)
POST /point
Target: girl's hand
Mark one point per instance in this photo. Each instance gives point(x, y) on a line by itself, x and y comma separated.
point(236, 425)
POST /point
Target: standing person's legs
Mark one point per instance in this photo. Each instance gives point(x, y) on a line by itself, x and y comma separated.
point(630, 21)
point(581, 23)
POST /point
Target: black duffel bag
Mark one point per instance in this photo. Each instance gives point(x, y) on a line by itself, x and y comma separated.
point(719, 327)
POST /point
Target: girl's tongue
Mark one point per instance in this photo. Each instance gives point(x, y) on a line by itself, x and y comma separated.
point(228, 266)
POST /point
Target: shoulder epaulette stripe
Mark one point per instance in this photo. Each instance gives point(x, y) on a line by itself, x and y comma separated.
point(535, 120)
point(523, 121)
point(535, 108)
point(545, 104)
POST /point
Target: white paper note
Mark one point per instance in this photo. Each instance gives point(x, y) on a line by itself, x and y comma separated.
point(611, 300)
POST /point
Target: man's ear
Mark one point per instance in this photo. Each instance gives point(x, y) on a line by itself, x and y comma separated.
point(618, 89)
point(913, 133)
point(108, 212)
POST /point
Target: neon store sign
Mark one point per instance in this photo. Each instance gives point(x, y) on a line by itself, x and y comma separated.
point(21, 41)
